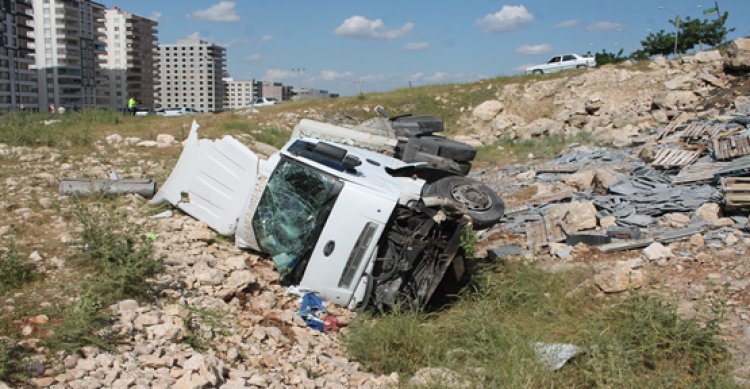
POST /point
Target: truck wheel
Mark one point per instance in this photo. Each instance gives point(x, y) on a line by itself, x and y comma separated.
point(447, 148)
point(483, 205)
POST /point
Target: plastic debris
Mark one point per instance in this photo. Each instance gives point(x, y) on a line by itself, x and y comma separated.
point(313, 312)
point(554, 355)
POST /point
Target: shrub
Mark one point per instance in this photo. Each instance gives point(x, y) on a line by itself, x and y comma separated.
point(15, 270)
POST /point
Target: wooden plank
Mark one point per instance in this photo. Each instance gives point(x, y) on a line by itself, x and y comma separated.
point(668, 158)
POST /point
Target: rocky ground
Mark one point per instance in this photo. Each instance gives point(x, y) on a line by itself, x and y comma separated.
point(225, 321)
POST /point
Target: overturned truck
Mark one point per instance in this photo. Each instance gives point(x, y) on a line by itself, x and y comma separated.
point(358, 227)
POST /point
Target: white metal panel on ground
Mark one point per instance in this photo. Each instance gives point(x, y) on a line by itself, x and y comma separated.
point(211, 181)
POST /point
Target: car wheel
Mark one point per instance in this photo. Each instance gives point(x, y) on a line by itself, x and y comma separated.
point(537, 71)
point(581, 67)
point(483, 205)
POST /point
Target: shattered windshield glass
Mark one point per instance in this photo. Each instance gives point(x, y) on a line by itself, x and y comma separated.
point(290, 210)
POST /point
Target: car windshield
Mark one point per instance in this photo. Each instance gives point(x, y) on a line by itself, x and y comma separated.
point(291, 210)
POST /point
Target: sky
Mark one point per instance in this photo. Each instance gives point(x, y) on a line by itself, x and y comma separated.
point(347, 46)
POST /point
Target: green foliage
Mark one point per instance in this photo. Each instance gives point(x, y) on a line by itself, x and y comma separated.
point(468, 241)
point(634, 341)
point(11, 361)
point(15, 270)
point(66, 130)
point(272, 136)
point(120, 260)
point(604, 57)
point(506, 149)
point(202, 325)
point(120, 255)
point(692, 32)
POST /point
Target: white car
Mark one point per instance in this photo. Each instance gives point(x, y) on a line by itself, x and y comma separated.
point(264, 102)
point(177, 111)
point(562, 62)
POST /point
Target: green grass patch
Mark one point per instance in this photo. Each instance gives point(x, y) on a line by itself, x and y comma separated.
point(120, 264)
point(507, 149)
point(630, 342)
point(11, 362)
point(15, 270)
point(272, 136)
point(66, 130)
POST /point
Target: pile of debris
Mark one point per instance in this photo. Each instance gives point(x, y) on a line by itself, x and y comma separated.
point(672, 188)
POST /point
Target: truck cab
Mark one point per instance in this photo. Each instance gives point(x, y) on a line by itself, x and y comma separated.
point(345, 222)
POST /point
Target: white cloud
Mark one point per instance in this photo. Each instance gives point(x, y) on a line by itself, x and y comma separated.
point(253, 58)
point(235, 42)
point(509, 18)
point(266, 38)
point(361, 27)
point(566, 24)
point(604, 26)
point(222, 11)
point(543, 48)
point(156, 15)
point(416, 76)
point(196, 35)
point(330, 75)
point(416, 46)
point(276, 74)
point(438, 76)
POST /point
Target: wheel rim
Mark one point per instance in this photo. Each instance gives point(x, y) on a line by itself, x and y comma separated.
point(474, 198)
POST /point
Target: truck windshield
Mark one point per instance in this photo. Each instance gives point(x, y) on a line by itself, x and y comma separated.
point(295, 203)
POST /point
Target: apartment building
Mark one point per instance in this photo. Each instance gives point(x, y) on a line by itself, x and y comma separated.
point(240, 93)
point(18, 82)
point(191, 74)
point(276, 90)
point(129, 61)
point(69, 38)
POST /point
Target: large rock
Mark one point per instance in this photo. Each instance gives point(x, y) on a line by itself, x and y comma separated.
point(738, 55)
point(708, 56)
point(577, 215)
point(676, 100)
point(539, 127)
point(503, 123)
point(623, 275)
point(657, 251)
point(488, 110)
point(709, 212)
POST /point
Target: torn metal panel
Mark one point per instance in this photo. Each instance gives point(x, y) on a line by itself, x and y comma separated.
point(736, 192)
point(626, 245)
point(211, 181)
point(732, 147)
point(673, 158)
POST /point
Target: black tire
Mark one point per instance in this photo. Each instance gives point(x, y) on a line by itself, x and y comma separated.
point(484, 206)
point(580, 66)
point(446, 148)
point(537, 71)
point(464, 167)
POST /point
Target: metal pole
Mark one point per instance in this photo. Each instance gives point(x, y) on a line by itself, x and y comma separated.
point(677, 33)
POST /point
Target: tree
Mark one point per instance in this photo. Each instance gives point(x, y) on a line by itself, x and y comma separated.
point(692, 32)
point(605, 57)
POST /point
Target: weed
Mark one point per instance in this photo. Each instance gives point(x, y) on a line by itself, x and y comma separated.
point(15, 270)
point(120, 255)
point(272, 136)
point(82, 324)
point(201, 319)
point(487, 335)
point(11, 362)
point(507, 149)
point(468, 241)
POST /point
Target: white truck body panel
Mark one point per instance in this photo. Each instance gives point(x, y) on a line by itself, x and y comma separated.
point(344, 136)
point(211, 181)
point(355, 207)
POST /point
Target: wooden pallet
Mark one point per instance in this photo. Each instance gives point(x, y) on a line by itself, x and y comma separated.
point(672, 158)
point(705, 132)
point(736, 192)
point(732, 147)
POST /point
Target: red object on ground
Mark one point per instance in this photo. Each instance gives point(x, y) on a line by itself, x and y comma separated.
point(331, 323)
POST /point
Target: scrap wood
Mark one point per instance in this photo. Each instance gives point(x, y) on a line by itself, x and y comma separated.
point(671, 158)
point(736, 192)
point(731, 147)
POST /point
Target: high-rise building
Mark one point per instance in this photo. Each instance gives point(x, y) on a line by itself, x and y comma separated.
point(69, 37)
point(240, 93)
point(129, 62)
point(18, 82)
point(190, 75)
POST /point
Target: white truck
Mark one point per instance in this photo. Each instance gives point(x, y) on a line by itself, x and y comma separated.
point(358, 227)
